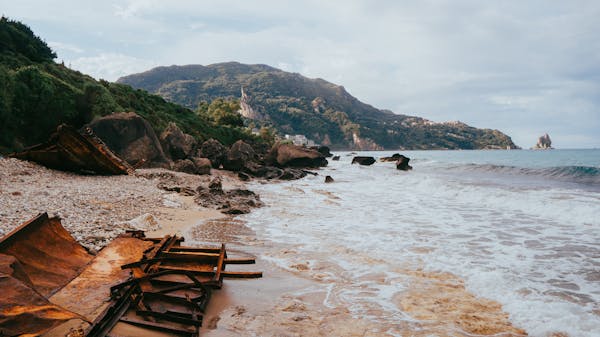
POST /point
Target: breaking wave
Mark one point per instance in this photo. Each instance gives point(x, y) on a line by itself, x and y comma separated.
point(576, 174)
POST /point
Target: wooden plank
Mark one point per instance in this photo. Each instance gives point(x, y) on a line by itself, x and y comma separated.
point(231, 274)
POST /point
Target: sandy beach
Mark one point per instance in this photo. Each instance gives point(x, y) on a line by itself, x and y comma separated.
point(288, 301)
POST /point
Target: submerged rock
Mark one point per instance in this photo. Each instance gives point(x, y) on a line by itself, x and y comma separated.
point(329, 179)
point(394, 157)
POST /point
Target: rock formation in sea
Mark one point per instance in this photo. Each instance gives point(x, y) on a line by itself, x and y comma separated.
point(543, 143)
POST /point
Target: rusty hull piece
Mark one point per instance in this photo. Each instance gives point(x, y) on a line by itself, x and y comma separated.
point(168, 290)
point(36, 259)
point(69, 150)
point(50, 256)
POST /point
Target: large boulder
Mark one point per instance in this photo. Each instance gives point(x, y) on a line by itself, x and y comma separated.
point(362, 160)
point(175, 143)
point(288, 155)
point(238, 156)
point(402, 163)
point(131, 137)
point(214, 151)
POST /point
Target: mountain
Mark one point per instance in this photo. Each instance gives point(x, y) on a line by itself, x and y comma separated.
point(320, 110)
point(38, 94)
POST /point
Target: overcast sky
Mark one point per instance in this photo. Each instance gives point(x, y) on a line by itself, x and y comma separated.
point(523, 67)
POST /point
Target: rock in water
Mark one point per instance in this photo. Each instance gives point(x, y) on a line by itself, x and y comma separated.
point(336, 158)
point(402, 163)
point(288, 155)
point(363, 160)
point(394, 157)
point(543, 143)
point(329, 179)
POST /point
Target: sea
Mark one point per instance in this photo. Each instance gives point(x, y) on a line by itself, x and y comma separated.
point(519, 227)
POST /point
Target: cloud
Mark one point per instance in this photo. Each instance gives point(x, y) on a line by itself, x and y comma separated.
point(520, 67)
point(111, 66)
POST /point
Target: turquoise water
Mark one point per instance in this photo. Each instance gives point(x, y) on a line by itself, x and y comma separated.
point(520, 227)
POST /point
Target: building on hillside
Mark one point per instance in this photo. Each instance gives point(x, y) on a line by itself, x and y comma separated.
point(300, 140)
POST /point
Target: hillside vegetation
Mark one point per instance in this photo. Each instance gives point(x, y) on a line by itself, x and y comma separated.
point(293, 104)
point(37, 94)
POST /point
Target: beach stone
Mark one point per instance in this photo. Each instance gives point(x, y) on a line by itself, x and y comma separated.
point(289, 155)
point(131, 137)
point(175, 143)
point(243, 176)
point(216, 185)
point(145, 222)
point(292, 174)
point(329, 179)
point(184, 165)
point(402, 163)
point(336, 158)
point(362, 160)
point(203, 165)
point(238, 156)
point(214, 151)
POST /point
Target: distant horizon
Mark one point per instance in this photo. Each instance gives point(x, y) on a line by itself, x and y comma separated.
point(522, 68)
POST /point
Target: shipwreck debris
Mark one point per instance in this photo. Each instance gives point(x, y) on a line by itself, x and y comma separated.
point(69, 150)
point(168, 290)
point(36, 259)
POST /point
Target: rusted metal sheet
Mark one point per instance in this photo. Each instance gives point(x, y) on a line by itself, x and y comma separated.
point(49, 255)
point(70, 150)
point(23, 311)
point(168, 291)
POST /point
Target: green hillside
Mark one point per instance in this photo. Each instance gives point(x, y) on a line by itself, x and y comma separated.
point(323, 111)
point(37, 94)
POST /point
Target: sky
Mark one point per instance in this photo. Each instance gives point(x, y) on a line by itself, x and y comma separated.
point(523, 67)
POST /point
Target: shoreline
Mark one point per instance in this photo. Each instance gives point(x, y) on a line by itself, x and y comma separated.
point(288, 300)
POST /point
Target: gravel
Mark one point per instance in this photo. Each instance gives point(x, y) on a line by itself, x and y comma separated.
point(94, 209)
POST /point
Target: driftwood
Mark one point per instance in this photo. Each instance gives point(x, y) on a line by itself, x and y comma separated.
point(69, 150)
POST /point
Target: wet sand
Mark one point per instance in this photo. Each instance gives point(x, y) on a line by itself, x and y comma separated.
point(294, 301)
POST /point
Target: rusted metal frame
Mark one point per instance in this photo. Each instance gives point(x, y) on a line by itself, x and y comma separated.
point(157, 240)
point(194, 249)
point(159, 327)
point(164, 248)
point(192, 258)
point(191, 303)
point(171, 317)
point(104, 323)
point(153, 251)
point(220, 265)
point(151, 277)
point(231, 274)
point(29, 226)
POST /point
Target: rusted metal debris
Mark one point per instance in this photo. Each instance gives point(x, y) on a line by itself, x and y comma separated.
point(49, 255)
point(69, 150)
point(168, 290)
point(36, 259)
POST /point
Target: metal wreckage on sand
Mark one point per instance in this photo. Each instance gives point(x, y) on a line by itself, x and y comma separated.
point(155, 285)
